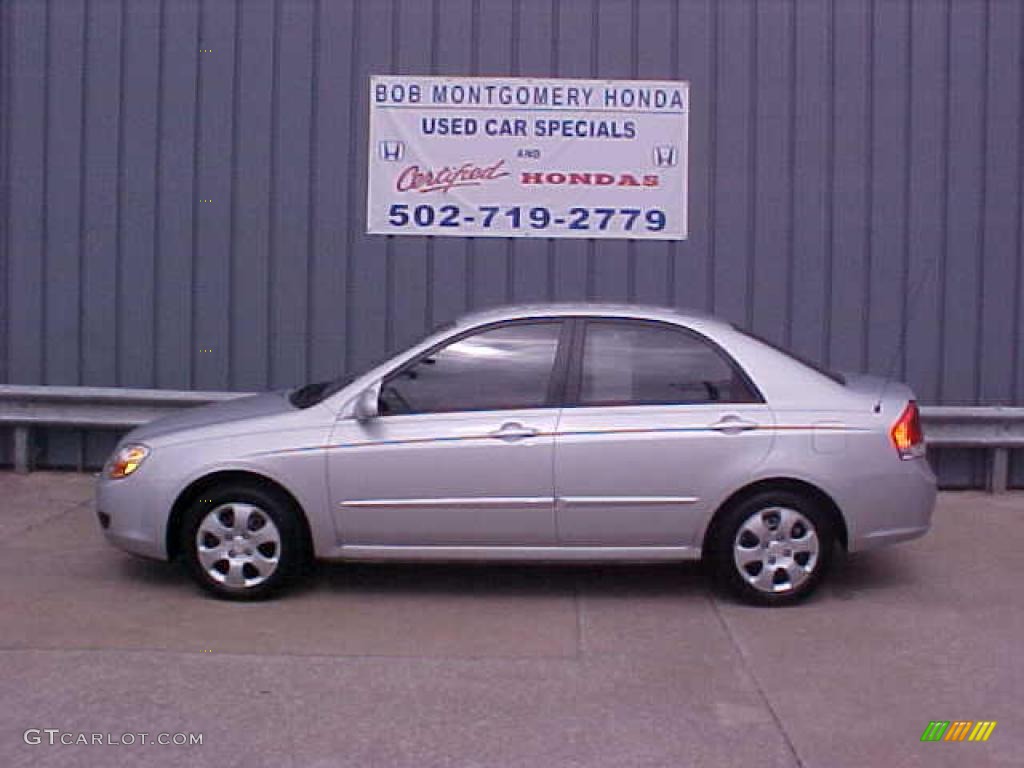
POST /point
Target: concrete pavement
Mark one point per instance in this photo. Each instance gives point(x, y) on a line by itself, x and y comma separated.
point(508, 666)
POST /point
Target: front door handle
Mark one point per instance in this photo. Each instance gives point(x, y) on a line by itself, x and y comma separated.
point(733, 425)
point(513, 430)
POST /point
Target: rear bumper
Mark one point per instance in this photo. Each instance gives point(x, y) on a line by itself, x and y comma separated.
point(891, 507)
point(889, 536)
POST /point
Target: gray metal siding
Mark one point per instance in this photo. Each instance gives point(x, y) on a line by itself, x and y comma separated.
point(856, 169)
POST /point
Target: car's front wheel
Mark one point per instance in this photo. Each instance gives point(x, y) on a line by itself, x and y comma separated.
point(243, 542)
point(773, 548)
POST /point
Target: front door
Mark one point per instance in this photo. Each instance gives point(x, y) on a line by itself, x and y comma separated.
point(462, 452)
point(660, 421)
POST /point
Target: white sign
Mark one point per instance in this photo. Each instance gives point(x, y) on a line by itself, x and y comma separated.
point(517, 157)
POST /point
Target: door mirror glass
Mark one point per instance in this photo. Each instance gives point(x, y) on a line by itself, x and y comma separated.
point(366, 406)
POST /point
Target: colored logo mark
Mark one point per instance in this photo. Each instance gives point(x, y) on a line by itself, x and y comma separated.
point(391, 150)
point(958, 730)
point(666, 156)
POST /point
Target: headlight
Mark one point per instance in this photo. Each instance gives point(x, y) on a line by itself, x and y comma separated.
point(127, 460)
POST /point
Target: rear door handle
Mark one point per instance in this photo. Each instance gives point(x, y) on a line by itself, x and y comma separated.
point(513, 430)
point(733, 425)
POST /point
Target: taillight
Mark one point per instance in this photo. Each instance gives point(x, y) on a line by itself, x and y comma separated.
point(906, 433)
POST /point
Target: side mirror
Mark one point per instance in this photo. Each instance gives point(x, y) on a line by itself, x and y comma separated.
point(367, 406)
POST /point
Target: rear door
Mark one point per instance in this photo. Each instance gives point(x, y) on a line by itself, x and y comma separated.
point(658, 421)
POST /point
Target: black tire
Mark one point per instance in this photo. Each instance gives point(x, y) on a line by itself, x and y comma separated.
point(259, 506)
point(802, 571)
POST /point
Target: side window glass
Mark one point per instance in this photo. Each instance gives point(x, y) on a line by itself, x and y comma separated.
point(506, 367)
point(628, 363)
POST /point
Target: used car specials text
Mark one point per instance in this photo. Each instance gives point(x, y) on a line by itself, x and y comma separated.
point(519, 174)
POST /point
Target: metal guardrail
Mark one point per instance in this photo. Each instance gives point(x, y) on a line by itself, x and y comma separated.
point(27, 407)
point(995, 429)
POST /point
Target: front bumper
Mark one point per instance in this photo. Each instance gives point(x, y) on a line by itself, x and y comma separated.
point(135, 515)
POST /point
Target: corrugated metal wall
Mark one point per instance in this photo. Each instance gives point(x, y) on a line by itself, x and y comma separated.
point(856, 169)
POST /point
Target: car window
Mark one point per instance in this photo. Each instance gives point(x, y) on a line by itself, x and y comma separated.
point(630, 363)
point(505, 367)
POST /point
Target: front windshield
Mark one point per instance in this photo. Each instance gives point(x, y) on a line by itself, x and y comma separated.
point(311, 394)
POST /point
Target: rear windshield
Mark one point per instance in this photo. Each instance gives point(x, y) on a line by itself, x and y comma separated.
point(838, 378)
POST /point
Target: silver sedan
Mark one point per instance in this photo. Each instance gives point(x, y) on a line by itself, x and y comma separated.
point(575, 432)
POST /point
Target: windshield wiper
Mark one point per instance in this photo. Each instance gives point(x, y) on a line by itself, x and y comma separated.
point(311, 394)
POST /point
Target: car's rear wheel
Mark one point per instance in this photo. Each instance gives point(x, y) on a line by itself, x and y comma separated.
point(773, 548)
point(244, 543)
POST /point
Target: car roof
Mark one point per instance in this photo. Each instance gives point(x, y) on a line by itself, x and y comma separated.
point(588, 308)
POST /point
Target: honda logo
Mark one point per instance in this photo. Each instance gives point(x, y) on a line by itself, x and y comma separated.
point(666, 156)
point(391, 150)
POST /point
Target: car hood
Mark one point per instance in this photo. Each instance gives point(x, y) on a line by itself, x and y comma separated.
point(215, 414)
